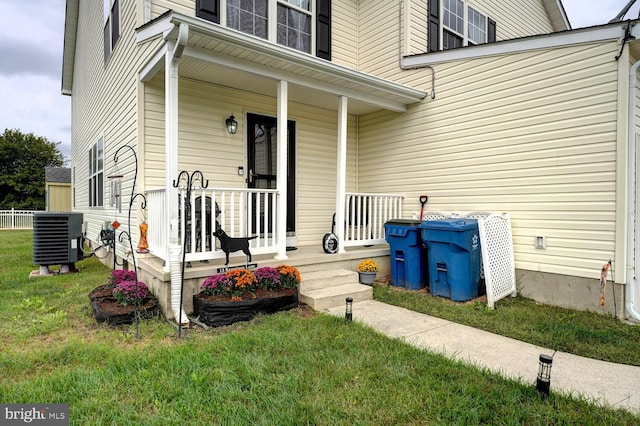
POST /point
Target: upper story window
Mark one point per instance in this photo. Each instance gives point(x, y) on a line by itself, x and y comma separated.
point(454, 24)
point(298, 24)
point(294, 24)
point(111, 26)
point(476, 27)
point(96, 174)
point(248, 16)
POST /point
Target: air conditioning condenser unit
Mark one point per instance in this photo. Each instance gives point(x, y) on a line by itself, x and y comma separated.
point(57, 239)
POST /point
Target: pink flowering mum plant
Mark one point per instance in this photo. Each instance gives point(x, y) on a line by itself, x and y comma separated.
point(121, 275)
point(126, 292)
point(268, 278)
point(217, 285)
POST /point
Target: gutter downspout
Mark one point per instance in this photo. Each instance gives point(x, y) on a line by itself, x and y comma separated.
point(172, 58)
point(632, 278)
point(415, 67)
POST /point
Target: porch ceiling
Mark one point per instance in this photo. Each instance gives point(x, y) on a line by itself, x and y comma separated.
point(229, 58)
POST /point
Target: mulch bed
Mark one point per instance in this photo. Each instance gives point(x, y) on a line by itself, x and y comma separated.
point(107, 309)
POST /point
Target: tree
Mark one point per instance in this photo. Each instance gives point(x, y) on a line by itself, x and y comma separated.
point(22, 162)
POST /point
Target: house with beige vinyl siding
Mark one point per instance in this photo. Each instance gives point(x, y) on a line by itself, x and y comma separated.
point(493, 106)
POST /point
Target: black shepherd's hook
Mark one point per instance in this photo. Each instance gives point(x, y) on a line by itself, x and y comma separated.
point(189, 181)
point(127, 234)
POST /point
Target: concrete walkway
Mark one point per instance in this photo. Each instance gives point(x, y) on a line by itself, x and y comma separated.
point(600, 382)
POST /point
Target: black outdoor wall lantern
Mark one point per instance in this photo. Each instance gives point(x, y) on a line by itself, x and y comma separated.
point(232, 124)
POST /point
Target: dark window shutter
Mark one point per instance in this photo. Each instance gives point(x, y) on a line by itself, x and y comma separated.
point(433, 35)
point(323, 29)
point(107, 41)
point(115, 23)
point(209, 10)
point(491, 30)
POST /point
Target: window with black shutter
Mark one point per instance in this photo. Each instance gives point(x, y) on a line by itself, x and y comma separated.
point(291, 25)
point(453, 24)
point(111, 26)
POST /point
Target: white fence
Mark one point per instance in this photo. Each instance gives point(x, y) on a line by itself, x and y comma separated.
point(16, 219)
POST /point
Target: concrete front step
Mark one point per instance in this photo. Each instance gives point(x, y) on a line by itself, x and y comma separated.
point(335, 295)
point(321, 279)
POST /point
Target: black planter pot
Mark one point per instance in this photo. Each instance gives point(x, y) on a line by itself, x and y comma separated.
point(102, 313)
point(107, 309)
point(219, 313)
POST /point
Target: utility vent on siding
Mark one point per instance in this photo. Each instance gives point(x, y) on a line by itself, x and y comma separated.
point(57, 238)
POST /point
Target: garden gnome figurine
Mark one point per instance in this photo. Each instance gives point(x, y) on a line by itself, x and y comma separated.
point(143, 245)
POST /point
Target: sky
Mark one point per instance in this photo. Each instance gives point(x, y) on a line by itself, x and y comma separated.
point(32, 35)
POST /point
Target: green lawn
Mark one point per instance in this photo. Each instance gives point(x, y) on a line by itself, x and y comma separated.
point(291, 368)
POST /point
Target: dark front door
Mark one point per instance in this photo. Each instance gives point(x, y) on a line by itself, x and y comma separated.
point(262, 148)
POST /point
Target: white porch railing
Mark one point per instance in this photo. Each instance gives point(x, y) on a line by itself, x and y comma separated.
point(224, 208)
point(157, 217)
point(366, 214)
point(16, 219)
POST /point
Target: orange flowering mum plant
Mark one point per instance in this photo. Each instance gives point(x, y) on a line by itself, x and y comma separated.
point(289, 276)
point(368, 265)
point(244, 281)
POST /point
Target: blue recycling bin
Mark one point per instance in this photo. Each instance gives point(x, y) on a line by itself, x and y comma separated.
point(453, 252)
point(405, 253)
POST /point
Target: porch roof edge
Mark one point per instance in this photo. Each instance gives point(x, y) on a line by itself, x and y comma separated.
point(388, 89)
point(69, 48)
point(541, 41)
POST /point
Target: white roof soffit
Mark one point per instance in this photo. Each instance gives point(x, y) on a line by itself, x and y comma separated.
point(69, 51)
point(557, 15)
point(545, 41)
point(256, 56)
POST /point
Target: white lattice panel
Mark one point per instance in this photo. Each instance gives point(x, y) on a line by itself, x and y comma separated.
point(478, 216)
point(497, 257)
point(433, 216)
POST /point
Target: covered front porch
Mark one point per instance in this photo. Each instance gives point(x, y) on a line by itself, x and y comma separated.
point(310, 260)
point(198, 74)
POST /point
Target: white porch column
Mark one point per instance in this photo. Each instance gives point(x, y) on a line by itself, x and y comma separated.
point(281, 184)
point(172, 58)
point(341, 178)
point(171, 142)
